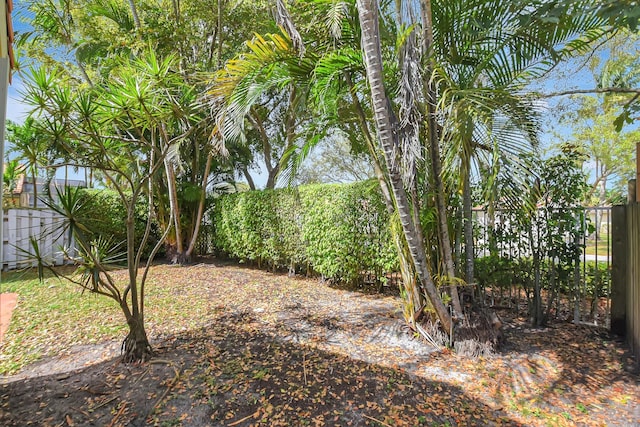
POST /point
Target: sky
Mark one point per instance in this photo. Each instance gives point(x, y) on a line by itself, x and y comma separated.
point(16, 110)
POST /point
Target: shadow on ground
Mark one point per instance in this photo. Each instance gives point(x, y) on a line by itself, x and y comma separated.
point(233, 374)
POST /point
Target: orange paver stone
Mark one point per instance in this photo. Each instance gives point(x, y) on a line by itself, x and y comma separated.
point(7, 304)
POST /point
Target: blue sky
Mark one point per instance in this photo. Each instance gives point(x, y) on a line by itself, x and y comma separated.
point(16, 111)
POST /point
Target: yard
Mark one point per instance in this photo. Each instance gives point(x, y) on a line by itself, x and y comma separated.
point(238, 347)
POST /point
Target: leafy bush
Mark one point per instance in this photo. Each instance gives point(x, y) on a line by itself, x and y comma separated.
point(104, 216)
point(338, 231)
point(597, 279)
point(502, 272)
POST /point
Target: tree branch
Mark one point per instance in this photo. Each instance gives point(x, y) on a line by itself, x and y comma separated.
point(590, 91)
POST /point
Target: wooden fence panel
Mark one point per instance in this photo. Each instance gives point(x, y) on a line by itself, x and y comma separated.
point(619, 258)
point(633, 278)
point(20, 225)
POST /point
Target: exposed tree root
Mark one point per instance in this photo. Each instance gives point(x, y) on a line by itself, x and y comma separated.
point(479, 335)
point(135, 347)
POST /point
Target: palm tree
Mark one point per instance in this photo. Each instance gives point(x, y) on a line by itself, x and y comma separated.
point(484, 53)
point(30, 145)
point(329, 78)
point(464, 114)
point(385, 124)
point(120, 129)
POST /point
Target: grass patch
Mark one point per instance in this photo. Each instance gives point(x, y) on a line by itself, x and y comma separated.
point(53, 316)
point(603, 246)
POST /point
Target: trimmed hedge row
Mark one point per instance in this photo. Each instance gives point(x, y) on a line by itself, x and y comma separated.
point(338, 231)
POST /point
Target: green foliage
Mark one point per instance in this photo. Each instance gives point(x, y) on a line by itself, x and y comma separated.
point(597, 279)
point(539, 245)
point(339, 231)
point(501, 272)
point(104, 216)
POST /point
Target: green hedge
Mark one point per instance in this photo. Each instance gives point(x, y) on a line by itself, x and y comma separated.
point(104, 215)
point(338, 231)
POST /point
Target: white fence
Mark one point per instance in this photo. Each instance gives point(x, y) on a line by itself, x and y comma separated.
point(20, 225)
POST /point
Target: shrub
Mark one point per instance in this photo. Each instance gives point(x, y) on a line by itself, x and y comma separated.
point(503, 272)
point(104, 216)
point(338, 231)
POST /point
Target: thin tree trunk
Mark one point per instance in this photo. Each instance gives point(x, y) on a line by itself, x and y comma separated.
point(219, 32)
point(368, 12)
point(203, 198)
point(173, 204)
point(134, 13)
point(249, 178)
point(34, 180)
point(436, 163)
point(136, 346)
point(468, 228)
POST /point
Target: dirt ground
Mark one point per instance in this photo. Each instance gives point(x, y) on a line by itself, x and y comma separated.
point(277, 351)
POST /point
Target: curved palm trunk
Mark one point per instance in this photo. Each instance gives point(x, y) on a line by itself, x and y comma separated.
point(384, 118)
point(413, 299)
point(201, 203)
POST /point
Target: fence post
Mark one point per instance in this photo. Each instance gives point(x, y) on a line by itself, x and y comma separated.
point(633, 279)
point(619, 269)
point(637, 180)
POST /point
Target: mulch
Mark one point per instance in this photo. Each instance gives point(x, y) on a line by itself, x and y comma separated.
point(278, 351)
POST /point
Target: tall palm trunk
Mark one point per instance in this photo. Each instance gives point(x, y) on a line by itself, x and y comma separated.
point(384, 118)
point(436, 162)
point(413, 298)
point(467, 209)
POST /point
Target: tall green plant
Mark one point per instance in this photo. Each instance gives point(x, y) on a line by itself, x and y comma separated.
point(117, 128)
point(30, 145)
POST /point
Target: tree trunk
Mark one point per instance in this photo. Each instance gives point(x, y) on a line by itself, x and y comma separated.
point(178, 256)
point(134, 13)
point(271, 178)
point(384, 118)
point(535, 307)
point(34, 180)
point(413, 299)
point(201, 203)
point(136, 347)
point(467, 207)
point(436, 163)
point(249, 178)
